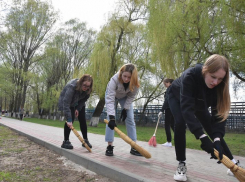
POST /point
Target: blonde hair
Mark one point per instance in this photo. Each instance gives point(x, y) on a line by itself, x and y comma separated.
point(211, 65)
point(85, 77)
point(134, 81)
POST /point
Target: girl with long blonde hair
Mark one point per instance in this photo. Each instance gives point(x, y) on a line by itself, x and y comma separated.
point(122, 88)
point(190, 97)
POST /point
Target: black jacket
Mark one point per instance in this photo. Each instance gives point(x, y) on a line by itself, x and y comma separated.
point(165, 104)
point(191, 90)
point(70, 97)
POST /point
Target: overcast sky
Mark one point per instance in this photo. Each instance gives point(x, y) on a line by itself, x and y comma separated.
point(94, 12)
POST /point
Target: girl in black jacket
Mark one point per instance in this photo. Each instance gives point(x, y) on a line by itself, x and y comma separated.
point(72, 103)
point(169, 119)
point(190, 97)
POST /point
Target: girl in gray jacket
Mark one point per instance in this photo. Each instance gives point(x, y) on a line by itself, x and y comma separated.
point(122, 87)
point(72, 103)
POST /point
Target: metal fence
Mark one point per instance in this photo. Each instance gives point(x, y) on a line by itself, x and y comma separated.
point(236, 118)
point(150, 115)
point(235, 121)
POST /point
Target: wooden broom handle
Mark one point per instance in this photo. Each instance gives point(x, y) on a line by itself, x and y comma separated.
point(156, 126)
point(142, 151)
point(81, 139)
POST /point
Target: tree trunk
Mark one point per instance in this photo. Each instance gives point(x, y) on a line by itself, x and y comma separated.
point(97, 112)
point(143, 117)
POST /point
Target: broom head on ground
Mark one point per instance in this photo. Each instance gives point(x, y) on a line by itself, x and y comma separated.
point(238, 172)
point(153, 141)
point(142, 151)
point(81, 139)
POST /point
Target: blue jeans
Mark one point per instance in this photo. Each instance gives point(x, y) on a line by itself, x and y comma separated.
point(130, 124)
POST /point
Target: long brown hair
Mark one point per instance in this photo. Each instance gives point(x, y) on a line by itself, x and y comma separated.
point(134, 81)
point(211, 65)
point(85, 77)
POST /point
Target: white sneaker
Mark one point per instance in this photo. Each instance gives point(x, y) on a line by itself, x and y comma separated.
point(230, 173)
point(167, 144)
point(180, 174)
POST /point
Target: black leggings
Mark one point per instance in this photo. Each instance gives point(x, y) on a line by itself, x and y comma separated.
point(169, 123)
point(180, 129)
point(82, 121)
point(21, 116)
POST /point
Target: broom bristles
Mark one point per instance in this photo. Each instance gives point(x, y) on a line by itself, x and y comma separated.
point(153, 141)
point(238, 172)
point(141, 150)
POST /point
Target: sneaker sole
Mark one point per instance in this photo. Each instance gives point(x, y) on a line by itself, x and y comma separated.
point(180, 178)
point(229, 173)
point(66, 147)
point(109, 154)
point(88, 146)
point(135, 154)
point(166, 146)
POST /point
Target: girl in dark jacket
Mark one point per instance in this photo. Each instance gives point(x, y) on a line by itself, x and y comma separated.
point(169, 119)
point(72, 103)
point(190, 97)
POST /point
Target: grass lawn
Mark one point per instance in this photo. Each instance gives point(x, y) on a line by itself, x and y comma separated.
point(235, 141)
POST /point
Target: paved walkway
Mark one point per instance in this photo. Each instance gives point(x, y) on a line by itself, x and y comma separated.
point(123, 166)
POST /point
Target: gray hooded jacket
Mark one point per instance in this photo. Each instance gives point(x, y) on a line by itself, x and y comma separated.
point(70, 97)
point(116, 90)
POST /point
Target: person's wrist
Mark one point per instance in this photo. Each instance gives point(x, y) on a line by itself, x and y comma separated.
point(69, 120)
point(202, 136)
point(216, 139)
point(112, 117)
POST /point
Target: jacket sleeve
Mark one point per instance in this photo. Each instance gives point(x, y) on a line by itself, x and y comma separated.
point(130, 98)
point(67, 101)
point(111, 95)
point(81, 103)
point(187, 104)
point(165, 104)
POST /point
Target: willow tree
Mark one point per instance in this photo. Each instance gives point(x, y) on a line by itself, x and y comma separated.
point(64, 55)
point(137, 50)
point(107, 57)
point(234, 14)
point(27, 27)
point(186, 32)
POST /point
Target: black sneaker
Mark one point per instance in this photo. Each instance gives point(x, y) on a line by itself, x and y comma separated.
point(109, 150)
point(87, 142)
point(135, 152)
point(67, 145)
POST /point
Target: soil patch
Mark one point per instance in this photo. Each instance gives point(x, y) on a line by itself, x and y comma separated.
point(24, 160)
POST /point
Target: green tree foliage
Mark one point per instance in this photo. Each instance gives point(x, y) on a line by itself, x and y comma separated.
point(64, 56)
point(186, 32)
point(107, 54)
point(235, 46)
point(27, 27)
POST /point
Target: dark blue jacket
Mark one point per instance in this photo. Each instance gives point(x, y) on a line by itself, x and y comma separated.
point(70, 97)
point(194, 95)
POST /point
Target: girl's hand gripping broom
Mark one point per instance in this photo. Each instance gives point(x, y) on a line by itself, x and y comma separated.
point(238, 172)
point(81, 139)
point(153, 141)
point(142, 151)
